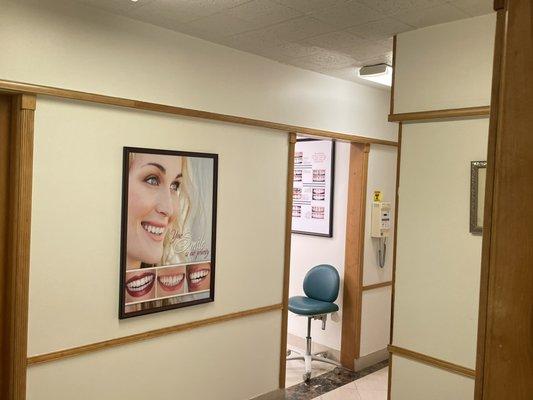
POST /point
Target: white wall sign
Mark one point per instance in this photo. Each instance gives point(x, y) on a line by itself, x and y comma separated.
point(312, 195)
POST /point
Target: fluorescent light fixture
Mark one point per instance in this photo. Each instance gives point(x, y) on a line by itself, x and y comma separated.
point(380, 73)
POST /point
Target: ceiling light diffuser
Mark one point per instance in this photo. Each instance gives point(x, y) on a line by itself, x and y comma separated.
point(380, 73)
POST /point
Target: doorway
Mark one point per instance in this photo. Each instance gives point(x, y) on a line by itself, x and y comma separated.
point(344, 249)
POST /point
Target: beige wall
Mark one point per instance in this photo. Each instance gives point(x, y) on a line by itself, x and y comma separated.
point(438, 260)
point(77, 187)
point(414, 381)
point(445, 66)
point(76, 218)
point(75, 256)
point(375, 315)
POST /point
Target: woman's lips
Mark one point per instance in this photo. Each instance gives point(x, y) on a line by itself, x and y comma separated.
point(197, 277)
point(155, 231)
point(139, 285)
point(171, 283)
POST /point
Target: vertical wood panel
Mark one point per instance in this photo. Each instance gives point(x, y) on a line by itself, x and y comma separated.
point(18, 245)
point(396, 208)
point(487, 217)
point(5, 116)
point(287, 261)
point(354, 255)
point(507, 351)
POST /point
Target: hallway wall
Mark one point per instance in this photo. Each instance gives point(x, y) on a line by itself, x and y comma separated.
point(76, 204)
point(438, 259)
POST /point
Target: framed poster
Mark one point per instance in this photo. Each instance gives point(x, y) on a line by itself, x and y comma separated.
point(312, 193)
point(168, 230)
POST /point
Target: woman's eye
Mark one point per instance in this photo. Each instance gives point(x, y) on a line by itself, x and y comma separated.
point(174, 186)
point(152, 180)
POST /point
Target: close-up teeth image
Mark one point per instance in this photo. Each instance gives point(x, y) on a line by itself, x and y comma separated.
point(171, 282)
point(196, 277)
point(156, 230)
point(138, 286)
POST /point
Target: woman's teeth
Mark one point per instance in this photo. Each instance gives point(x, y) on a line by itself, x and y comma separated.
point(171, 280)
point(140, 284)
point(156, 230)
point(197, 276)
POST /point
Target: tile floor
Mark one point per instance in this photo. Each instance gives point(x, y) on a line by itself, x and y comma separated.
point(327, 384)
point(295, 370)
point(370, 387)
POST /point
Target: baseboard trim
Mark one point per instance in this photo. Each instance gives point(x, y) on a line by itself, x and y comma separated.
point(371, 359)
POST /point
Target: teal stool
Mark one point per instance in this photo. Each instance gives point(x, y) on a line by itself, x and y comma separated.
point(321, 286)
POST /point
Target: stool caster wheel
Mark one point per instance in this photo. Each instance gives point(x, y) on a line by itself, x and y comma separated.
point(306, 376)
point(337, 370)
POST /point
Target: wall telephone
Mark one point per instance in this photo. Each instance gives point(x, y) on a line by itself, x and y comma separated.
point(381, 226)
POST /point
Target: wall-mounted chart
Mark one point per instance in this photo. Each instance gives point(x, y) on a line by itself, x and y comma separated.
point(312, 196)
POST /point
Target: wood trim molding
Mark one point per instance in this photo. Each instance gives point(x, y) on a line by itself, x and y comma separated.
point(434, 362)
point(499, 46)
point(21, 87)
point(377, 286)
point(354, 255)
point(18, 242)
point(394, 41)
point(5, 136)
point(106, 344)
point(396, 208)
point(506, 309)
point(287, 260)
point(482, 111)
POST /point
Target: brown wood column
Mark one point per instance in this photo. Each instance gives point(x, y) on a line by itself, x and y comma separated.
point(5, 128)
point(354, 255)
point(505, 338)
point(18, 242)
point(287, 261)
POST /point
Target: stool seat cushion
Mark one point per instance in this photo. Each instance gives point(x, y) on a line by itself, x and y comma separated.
point(302, 305)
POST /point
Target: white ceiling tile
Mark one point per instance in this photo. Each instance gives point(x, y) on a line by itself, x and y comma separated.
point(300, 28)
point(386, 44)
point(327, 36)
point(292, 49)
point(327, 59)
point(474, 7)
point(180, 11)
point(361, 53)
point(349, 14)
point(261, 38)
point(391, 7)
point(311, 5)
point(337, 40)
point(382, 29)
point(385, 58)
point(431, 16)
point(221, 25)
point(263, 12)
point(169, 13)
